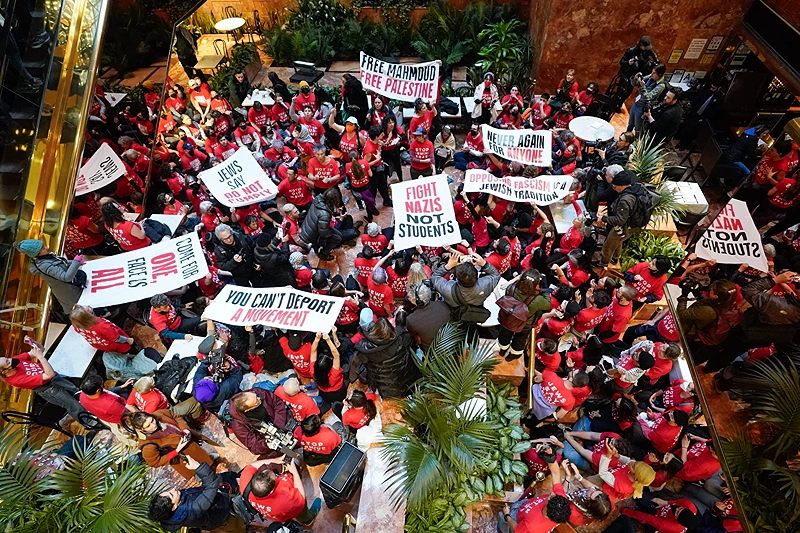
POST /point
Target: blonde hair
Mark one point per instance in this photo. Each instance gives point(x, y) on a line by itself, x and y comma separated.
point(144, 384)
point(644, 475)
point(416, 274)
point(83, 317)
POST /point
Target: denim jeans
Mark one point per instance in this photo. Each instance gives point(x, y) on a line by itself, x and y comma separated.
point(583, 424)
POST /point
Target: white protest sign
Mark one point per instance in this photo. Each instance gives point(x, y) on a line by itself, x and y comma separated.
point(530, 147)
point(239, 180)
point(281, 307)
point(405, 82)
point(733, 239)
point(102, 168)
point(423, 213)
point(140, 274)
point(543, 190)
point(114, 98)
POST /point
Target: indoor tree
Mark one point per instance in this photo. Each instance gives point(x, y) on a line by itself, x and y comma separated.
point(649, 161)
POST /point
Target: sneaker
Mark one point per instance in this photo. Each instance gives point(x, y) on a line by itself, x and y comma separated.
point(314, 509)
point(358, 224)
point(41, 39)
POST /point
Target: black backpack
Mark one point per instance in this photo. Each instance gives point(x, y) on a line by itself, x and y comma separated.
point(173, 372)
point(647, 198)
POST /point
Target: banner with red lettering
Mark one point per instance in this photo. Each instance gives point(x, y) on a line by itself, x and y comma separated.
point(281, 307)
point(140, 274)
point(529, 147)
point(423, 213)
point(102, 168)
point(239, 180)
point(543, 190)
point(400, 81)
point(733, 239)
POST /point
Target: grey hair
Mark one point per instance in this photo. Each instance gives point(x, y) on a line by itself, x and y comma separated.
point(159, 300)
point(124, 139)
point(422, 295)
point(222, 228)
point(131, 153)
point(379, 275)
point(614, 169)
point(206, 206)
point(769, 250)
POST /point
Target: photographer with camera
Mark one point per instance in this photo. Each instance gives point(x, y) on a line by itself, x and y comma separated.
point(258, 418)
point(639, 58)
point(627, 215)
point(665, 124)
point(651, 88)
point(234, 254)
point(217, 378)
point(600, 188)
point(274, 489)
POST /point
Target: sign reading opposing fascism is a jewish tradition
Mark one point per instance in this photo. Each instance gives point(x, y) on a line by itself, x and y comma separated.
point(733, 239)
point(543, 190)
point(143, 273)
point(239, 180)
point(405, 82)
point(102, 168)
point(523, 146)
point(281, 307)
point(423, 213)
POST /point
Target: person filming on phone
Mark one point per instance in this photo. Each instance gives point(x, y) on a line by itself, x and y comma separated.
point(468, 286)
point(234, 254)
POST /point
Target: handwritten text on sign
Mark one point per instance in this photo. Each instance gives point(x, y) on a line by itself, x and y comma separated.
point(102, 168)
point(543, 190)
point(524, 146)
point(239, 180)
point(144, 273)
point(282, 307)
point(424, 213)
point(732, 238)
point(400, 81)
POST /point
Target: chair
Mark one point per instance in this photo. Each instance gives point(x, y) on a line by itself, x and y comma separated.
point(699, 144)
point(606, 105)
point(230, 12)
point(708, 160)
point(221, 48)
point(686, 224)
point(257, 23)
point(675, 173)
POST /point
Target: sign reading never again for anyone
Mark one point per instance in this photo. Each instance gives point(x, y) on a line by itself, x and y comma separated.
point(281, 307)
point(423, 213)
point(529, 147)
point(239, 180)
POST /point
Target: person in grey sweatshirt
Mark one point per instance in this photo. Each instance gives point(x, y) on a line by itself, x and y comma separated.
point(472, 287)
point(62, 275)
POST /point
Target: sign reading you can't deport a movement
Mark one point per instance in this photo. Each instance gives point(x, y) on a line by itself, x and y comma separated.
point(400, 81)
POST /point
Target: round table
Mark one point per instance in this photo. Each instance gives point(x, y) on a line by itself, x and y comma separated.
point(233, 23)
point(592, 129)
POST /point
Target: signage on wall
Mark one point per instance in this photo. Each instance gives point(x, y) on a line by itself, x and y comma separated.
point(675, 56)
point(706, 59)
point(696, 48)
point(740, 55)
point(715, 43)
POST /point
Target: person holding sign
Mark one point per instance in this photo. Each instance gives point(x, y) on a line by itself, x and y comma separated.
point(472, 151)
point(168, 321)
point(64, 277)
point(424, 114)
point(421, 152)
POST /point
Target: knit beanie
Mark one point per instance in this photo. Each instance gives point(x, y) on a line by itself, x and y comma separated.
point(296, 259)
point(205, 390)
point(30, 247)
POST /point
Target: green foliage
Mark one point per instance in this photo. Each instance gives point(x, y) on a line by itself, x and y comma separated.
point(448, 51)
point(278, 45)
point(102, 490)
point(644, 246)
point(502, 48)
point(324, 15)
point(241, 55)
point(648, 159)
point(503, 468)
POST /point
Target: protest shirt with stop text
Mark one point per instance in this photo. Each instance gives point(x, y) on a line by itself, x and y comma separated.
point(143, 273)
point(405, 82)
point(102, 168)
point(543, 190)
point(423, 213)
point(239, 180)
point(733, 239)
point(281, 307)
point(523, 146)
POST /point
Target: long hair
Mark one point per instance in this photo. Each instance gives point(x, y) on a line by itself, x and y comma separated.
point(356, 168)
point(83, 317)
point(111, 214)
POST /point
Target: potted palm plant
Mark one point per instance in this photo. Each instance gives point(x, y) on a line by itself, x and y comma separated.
point(648, 160)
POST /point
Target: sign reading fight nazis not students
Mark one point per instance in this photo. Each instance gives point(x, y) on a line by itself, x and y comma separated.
point(405, 82)
point(143, 273)
point(733, 239)
point(102, 168)
point(423, 213)
point(529, 147)
point(282, 307)
point(239, 180)
point(543, 190)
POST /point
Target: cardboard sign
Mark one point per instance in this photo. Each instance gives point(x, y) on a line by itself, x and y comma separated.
point(239, 180)
point(733, 239)
point(102, 168)
point(524, 146)
point(423, 213)
point(281, 307)
point(140, 274)
point(543, 190)
point(405, 82)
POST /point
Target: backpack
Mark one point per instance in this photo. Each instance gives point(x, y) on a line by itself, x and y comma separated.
point(718, 331)
point(172, 373)
point(465, 312)
point(647, 198)
point(513, 314)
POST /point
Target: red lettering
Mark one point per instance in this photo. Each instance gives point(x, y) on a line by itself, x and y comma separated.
point(101, 278)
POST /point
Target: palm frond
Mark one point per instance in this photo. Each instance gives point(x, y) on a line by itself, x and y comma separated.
point(787, 480)
point(669, 205)
point(648, 159)
point(738, 452)
point(414, 470)
point(22, 468)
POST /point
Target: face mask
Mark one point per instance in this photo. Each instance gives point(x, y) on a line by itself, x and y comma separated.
point(654, 273)
point(350, 128)
point(163, 312)
point(474, 132)
point(488, 83)
point(305, 90)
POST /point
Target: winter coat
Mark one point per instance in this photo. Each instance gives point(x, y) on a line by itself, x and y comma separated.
point(245, 430)
point(276, 271)
point(226, 389)
point(204, 507)
point(225, 252)
point(390, 367)
point(63, 276)
point(155, 451)
point(317, 224)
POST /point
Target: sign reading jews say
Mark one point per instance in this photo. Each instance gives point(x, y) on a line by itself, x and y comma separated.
point(239, 180)
point(400, 81)
point(102, 168)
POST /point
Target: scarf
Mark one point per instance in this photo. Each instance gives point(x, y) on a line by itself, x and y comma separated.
point(304, 136)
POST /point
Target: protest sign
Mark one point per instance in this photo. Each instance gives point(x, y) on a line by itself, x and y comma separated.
point(423, 213)
point(405, 82)
point(733, 239)
point(102, 168)
point(143, 273)
point(529, 147)
point(281, 307)
point(239, 180)
point(543, 190)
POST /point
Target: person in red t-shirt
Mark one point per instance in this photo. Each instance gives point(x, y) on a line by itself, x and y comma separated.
point(364, 263)
point(319, 442)
point(552, 396)
point(107, 405)
point(298, 352)
point(616, 317)
point(306, 118)
point(423, 116)
point(323, 170)
point(662, 328)
point(258, 115)
point(129, 235)
point(247, 137)
point(296, 189)
point(100, 333)
point(700, 460)
point(328, 372)
point(376, 240)
point(146, 397)
point(659, 431)
point(664, 516)
point(305, 97)
point(224, 149)
point(421, 152)
point(358, 411)
point(192, 160)
point(277, 497)
point(168, 321)
point(472, 151)
point(381, 298)
point(301, 404)
point(648, 278)
point(590, 316)
point(540, 514)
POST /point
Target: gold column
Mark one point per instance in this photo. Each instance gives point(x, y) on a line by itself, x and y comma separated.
point(57, 153)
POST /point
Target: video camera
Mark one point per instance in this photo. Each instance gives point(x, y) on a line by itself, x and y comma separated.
point(278, 439)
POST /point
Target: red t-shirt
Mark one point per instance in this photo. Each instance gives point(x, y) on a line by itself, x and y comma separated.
point(364, 268)
point(335, 380)
point(474, 143)
point(463, 214)
point(172, 320)
point(555, 392)
point(28, 375)
point(249, 135)
point(777, 199)
point(297, 192)
point(530, 516)
point(699, 465)
point(662, 367)
point(424, 121)
point(615, 319)
point(781, 165)
point(648, 284)
point(349, 313)
point(300, 358)
point(589, 318)
point(575, 275)
point(259, 119)
point(223, 153)
point(303, 276)
point(500, 262)
point(357, 183)
point(623, 486)
point(378, 243)
point(421, 150)
point(321, 172)
point(348, 144)
point(663, 436)
point(282, 504)
point(550, 361)
point(79, 235)
point(325, 442)
point(356, 417)
point(397, 282)
point(301, 404)
point(380, 296)
point(126, 240)
point(109, 407)
point(149, 402)
point(667, 329)
point(104, 335)
point(314, 127)
point(305, 99)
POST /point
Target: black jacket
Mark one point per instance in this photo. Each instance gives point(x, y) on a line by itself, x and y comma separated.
point(239, 91)
point(317, 224)
point(276, 271)
point(225, 253)
point(666, 123)
point(390, 367)
point(619, 213)
point(201, 507)
point(643, 61)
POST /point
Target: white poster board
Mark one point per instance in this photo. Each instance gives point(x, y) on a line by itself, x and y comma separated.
point(542, 190)
point(529, 147)
point(423, 213)
point(239, 180)
point(102, 168)
point(733, 239)
point(400, 81)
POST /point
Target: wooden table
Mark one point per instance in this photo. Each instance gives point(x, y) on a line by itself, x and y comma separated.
point(662, 228)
